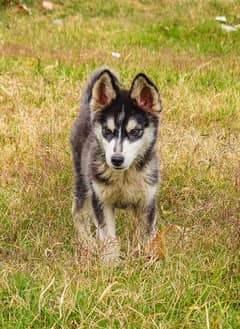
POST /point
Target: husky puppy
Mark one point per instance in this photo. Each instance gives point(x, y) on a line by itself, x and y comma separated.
point(114, 146)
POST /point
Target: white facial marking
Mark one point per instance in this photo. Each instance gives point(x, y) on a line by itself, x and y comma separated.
point(111, 124)
point(109, 150)
point(117, 148)
point(121, 115)
point(137, 148)
point(132, 123)
point(129, 150)
point(107, 146)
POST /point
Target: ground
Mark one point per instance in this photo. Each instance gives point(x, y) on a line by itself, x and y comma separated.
point(45, 57)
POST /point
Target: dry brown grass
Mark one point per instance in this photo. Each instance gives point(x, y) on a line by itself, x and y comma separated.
point(44, 284)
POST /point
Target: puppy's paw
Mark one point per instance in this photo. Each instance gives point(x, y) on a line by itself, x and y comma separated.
point(110, 251)
point(86, 248)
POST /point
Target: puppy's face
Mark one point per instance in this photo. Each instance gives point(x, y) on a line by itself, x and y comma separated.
point(125, 122)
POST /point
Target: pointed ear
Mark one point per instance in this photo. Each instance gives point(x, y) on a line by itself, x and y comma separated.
point(146, 94)
point(104, 90)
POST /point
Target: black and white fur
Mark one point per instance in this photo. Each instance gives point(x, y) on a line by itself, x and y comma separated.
point(114, 145)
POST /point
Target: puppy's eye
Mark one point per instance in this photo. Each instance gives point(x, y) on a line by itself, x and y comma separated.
point(135, 132)
point(107, 132)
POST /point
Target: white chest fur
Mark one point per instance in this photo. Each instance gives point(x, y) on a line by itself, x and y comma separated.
point(130, 187)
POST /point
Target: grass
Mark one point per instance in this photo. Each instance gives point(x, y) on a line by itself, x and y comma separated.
point(43, 65)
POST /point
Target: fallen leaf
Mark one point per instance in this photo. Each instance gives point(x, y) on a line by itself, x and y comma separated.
point(23, 7)
point(47, 5)
point(157, 247)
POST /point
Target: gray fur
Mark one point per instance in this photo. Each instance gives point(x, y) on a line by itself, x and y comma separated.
point(98, 188)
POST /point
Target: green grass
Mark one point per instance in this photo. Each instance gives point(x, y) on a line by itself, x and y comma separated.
point(43, 281)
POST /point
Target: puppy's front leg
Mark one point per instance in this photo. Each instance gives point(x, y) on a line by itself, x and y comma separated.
point(151, 218)
point(106, 229)
point(81, 217)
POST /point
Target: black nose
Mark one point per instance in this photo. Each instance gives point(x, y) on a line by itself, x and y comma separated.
point(117, 160)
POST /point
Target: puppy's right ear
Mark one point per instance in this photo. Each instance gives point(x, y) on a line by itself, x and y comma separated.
point(104, 90)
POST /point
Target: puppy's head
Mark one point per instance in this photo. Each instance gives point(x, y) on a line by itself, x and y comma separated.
point(125, 122)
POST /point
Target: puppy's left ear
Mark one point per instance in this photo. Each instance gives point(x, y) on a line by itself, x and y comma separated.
point(146, 94)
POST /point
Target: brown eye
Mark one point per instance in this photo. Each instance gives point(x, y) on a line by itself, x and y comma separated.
point(107, 132)
point(135, 132)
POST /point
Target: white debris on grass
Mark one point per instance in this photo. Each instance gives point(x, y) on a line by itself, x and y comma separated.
point(222, 19)
point(225, 27)
point(115, 54)
point(58, 22)
point(229, 28)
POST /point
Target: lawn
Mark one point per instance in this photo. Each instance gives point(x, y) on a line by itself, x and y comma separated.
point(45, 57)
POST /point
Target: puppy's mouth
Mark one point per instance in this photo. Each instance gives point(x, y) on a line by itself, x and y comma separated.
point(119, 169)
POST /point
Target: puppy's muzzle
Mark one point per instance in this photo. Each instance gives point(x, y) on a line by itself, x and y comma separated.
point(117, 160)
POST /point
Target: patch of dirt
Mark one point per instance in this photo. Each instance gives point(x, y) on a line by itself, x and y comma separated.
point(181, 61)
point(8, 49)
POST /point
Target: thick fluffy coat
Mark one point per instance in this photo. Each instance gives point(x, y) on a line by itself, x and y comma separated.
point(114, 145)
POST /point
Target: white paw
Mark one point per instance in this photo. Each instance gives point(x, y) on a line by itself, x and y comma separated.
point(87, 248)
point(110, 251)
